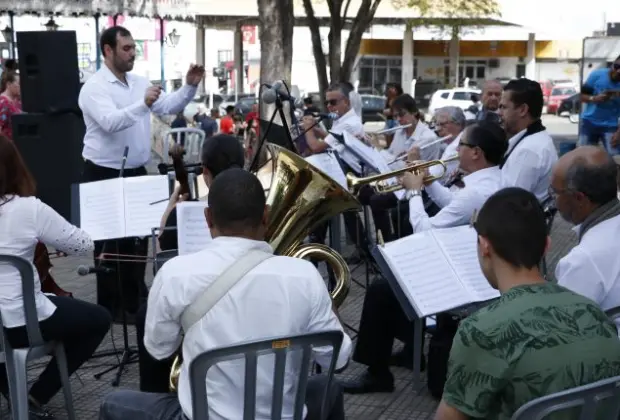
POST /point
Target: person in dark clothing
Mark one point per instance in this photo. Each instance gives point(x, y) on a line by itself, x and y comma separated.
point(219, 153)
point(179, 122)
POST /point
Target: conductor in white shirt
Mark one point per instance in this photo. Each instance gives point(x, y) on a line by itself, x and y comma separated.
point(283, 296)
point(79, 325)
point(585, 190)
point(531, 152)
point(117, 106)
point(481, 148)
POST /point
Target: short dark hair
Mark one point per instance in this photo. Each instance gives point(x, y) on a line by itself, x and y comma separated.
point(15, 178)
point(405, 102)
point(108, 37)
point(341, 87)
point(308, 100)
point(10, 64)
point(529, 92)
point(221, 152)
point(230, 108)
point(396, 86)
point(236, 200)
point(491, 138)
point(597, 182)
point(513, 221)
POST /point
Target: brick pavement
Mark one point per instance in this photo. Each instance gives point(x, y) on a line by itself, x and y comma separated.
point(403, 403)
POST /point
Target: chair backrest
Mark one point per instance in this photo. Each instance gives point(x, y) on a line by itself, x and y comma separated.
point(194, 138)
point(587, 397)
point(251, 351)
point(26, 272)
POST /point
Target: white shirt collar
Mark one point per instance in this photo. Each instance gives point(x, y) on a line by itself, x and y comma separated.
point(480, 174)
point(237, 242)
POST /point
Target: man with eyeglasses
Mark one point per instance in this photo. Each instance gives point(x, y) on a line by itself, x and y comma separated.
point(584, 187)
point(599, 120)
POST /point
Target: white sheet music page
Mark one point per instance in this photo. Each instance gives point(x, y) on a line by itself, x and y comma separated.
point(461, 246)
point(102, 209)
point(424, 274)
point(192, 230)
point(140, 216)
point(328, 164)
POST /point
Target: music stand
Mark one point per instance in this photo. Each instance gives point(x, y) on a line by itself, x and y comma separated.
point(277, 129)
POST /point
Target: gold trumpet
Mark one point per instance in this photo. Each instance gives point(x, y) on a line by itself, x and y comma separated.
point(300, 198)
point(379, 184)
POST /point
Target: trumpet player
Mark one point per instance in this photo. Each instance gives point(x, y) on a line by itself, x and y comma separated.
point(481, 148)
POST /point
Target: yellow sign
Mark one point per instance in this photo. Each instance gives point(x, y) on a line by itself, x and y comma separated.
point(280, 344)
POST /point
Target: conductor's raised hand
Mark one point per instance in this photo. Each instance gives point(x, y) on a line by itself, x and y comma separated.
point(194, 75)
point(152, 94)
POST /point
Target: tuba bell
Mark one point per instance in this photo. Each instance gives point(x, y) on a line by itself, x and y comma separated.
point(300, 198)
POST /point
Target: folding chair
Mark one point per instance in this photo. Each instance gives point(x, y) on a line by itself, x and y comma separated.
point(16, 360)
point(589, 398)
point(251, 351)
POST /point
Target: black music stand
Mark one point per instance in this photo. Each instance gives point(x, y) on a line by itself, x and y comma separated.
point(413, 315)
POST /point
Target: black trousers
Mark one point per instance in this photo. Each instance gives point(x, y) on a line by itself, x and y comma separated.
point(128, 275)
point(382, 321)
point(79, 325)
point(153, 373)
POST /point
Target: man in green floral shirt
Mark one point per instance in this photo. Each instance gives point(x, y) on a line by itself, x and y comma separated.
point(538, 338)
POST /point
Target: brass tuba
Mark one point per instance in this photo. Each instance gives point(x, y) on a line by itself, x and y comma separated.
point(300, 197)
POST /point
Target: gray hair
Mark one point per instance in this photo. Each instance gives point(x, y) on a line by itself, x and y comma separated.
point(454, 113)
point(597, 182)
point(341, 87)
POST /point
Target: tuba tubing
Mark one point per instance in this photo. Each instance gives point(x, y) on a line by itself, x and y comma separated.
point(300, 198)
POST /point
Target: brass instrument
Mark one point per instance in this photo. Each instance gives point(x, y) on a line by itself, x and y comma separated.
point(300, 198)
point(378, 181)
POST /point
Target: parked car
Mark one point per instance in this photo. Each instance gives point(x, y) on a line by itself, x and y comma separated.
point(244, 105)
point(557, 95)
point(461, 97)
point(372, 108)
point(570, 105)
point(548, 85)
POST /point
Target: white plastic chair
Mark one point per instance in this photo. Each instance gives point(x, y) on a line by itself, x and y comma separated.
point(16, 360)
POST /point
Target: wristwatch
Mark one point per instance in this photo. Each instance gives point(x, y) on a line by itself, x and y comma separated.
point(412, 193)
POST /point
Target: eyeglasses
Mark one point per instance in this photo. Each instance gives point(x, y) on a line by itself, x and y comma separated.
point(332, 102)
point(461, 144)
point(553, 193)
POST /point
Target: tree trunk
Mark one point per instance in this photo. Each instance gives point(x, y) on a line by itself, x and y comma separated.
point(364, 17)
point(317, 50)
point(335, 39)
point(276, 40)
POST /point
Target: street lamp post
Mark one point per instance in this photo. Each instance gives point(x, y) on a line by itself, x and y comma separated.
point(51, 25)
point(7, 33)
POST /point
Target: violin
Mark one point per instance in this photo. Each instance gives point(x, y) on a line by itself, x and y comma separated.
point(43, 263)
point(180, 171)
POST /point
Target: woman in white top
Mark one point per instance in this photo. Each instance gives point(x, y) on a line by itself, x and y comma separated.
point(25, 221)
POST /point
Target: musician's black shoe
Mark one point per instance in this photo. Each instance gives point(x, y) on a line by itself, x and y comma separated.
point(404, 358)
point(369, 382)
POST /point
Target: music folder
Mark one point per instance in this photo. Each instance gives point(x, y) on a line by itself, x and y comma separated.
point(436, 270)
point(120, 207)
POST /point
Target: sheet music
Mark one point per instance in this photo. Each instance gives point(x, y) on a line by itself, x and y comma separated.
point(460, 245)
point(328, 164)
point(102, 209)
point(424, 274)
point(140, 216)
point(192, 229)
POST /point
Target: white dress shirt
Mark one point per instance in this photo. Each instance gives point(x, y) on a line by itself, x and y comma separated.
point(116, 116)
point(451, 167)
point(529, 165)
point(457, 208)
point(352, 124)
point(422, 134)
point(24, 221)
point(592, 268)
point(283, 296)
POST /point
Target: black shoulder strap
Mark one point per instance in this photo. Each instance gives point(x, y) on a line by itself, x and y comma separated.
point(535, 127)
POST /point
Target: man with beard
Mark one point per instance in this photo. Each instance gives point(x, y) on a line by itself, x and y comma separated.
point(117, 106)
point(601, 93)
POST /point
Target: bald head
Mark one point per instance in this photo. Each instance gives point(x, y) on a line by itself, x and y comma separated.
point(589, 170)
point(491, 94)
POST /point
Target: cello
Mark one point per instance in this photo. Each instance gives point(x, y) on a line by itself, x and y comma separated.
point(43, 263)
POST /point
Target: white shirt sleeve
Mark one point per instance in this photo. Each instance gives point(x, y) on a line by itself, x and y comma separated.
point(322, 319)
point(441, 195)
point(577, 272)
point(457, 213)
point(523, 170)
point(99, 105)
point(175, 102)
point(162, 328)
point(52, 229)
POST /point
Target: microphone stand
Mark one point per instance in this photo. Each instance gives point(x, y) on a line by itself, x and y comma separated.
point(127, 352)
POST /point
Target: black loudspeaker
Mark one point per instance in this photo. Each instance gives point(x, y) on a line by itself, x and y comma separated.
point(49, 72)
point(51, 146)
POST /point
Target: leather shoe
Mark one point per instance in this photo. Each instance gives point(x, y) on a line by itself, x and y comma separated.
point(368, 382)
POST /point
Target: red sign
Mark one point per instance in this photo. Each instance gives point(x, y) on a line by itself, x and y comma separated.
point(249, 34)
